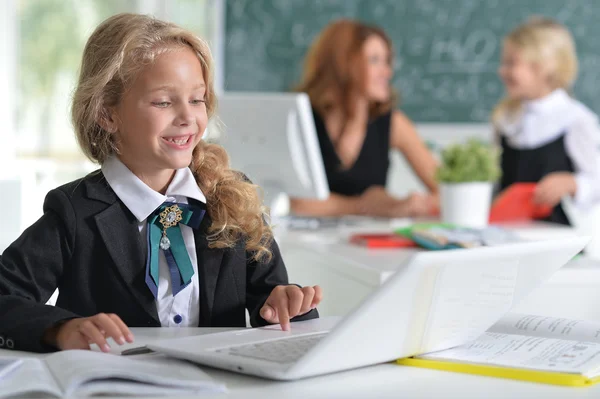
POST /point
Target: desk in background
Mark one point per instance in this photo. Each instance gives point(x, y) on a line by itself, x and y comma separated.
point(380, 381)
point(348, 273)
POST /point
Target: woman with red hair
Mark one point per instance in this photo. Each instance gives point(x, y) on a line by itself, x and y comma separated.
point(347, 76)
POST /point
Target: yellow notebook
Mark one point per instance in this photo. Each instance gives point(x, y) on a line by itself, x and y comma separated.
point(539, 349)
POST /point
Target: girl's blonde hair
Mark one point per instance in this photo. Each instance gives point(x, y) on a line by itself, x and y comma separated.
point(548, 43)
point(114, 55)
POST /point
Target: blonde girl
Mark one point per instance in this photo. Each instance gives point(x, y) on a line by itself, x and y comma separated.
point(547, 136)
point(164, 234)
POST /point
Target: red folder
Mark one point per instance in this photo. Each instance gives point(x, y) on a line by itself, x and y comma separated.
point(516, 204)
point(382, 241)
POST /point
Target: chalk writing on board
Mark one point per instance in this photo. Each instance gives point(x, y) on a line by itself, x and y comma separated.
point(446, 51)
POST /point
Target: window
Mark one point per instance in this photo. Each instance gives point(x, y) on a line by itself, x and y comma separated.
point(49, 39)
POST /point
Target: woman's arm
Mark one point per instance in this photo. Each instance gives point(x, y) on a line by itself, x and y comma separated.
point(335, 205)
point(375, 201)
point(404, 137)
point(581, 143)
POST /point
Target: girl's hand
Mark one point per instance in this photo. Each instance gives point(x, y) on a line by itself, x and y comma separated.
point(553, 187)
point(80, 333)
point(288, 301)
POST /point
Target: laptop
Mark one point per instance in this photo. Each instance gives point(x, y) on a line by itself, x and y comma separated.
point(435, 301)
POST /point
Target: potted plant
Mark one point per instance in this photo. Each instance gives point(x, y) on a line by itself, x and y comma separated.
point(466, 175)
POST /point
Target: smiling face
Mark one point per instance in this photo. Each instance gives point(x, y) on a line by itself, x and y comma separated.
point(522, 78)
point(379, 71)
point(162, 117)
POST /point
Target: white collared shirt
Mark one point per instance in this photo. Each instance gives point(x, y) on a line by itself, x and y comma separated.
point(544, 120)
point(141, 200)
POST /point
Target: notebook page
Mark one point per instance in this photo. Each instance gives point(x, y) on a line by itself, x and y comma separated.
point(75, 368)
point(115, 387)
point(8, 365)
point(518, 351)
point(549, 327)
point(29, 378)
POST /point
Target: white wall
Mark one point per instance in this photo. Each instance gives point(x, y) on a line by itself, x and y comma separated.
point(217, 42)
point(11, 180)
point(8, 60)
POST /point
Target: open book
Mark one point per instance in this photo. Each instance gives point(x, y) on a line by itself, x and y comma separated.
point(86, 373)
point(526, 347)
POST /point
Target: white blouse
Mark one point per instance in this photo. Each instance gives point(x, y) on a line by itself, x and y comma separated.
point(182, 310)
point(543, 120)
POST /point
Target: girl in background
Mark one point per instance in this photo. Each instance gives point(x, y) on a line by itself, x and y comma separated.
point(547, 136)
point(347, 77)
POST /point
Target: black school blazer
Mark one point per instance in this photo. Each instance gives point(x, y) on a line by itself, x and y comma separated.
point(88, 245)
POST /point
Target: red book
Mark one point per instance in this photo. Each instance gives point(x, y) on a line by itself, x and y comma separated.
point(382, 241)
point(516, 204)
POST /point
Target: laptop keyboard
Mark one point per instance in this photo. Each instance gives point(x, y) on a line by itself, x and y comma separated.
point(286, 350)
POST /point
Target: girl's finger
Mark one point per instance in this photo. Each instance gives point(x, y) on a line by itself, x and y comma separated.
point(93, 334)
point(318, 296)
point(125, 331)
point(111, 329)
point(282, 312)
point(295, 296)
point(268, 314)
point(309, 294)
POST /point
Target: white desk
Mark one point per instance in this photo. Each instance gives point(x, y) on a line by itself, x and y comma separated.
point(348, 273)
point(381, 381)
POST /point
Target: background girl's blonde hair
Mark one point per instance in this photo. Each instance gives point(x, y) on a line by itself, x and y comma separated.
point(114, 55)
point(548, 43)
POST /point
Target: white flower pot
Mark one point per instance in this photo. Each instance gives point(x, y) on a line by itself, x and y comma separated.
point(466, 204)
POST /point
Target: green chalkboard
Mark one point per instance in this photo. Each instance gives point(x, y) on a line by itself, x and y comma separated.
point(447, 51)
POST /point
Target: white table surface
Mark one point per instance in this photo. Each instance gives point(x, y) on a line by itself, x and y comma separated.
point(380, 381)
point(385, 380)
point(364, 263)
point(348, 273)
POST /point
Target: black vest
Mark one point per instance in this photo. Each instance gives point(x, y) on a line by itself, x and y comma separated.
point(371, 165)
point(532, 165)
